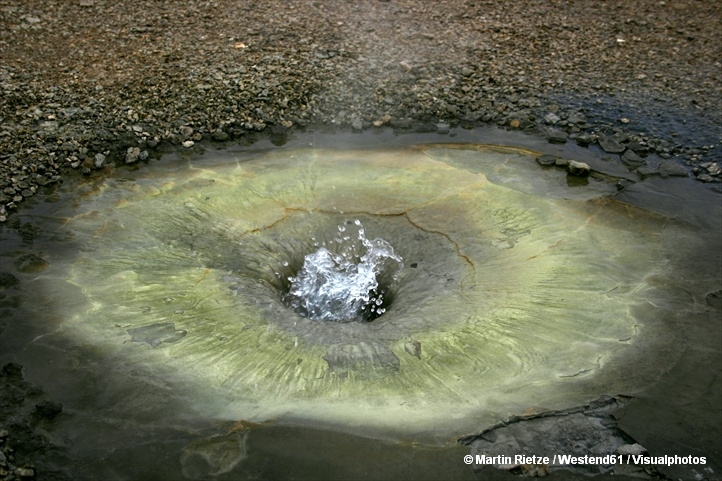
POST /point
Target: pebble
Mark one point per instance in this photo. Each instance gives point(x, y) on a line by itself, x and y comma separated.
point(551, 119)
point(132, 155)
point(579, 169)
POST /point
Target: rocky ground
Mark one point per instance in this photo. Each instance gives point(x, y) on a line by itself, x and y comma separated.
point(89, 84)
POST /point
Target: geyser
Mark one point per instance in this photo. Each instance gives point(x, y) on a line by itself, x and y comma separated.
point(340, 282)
point(511, 294)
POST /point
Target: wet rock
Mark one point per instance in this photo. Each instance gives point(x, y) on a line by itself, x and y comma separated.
point(31, 263)
point(546, 159)
point(557, 137)
point(584, 431)
point(632, 160)
point(670, 168)
point(647, 171)
point(8, 280)
point(365, 359)
point(214, 456)
point(610, 146)
point(579, 169)
point(48, 409)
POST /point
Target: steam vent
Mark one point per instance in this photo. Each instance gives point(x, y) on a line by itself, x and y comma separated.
point(501, 294)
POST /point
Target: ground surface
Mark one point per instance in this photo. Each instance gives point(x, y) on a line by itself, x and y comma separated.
point(87, 83)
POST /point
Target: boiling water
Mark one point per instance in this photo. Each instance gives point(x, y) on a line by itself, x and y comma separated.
point(344, 286)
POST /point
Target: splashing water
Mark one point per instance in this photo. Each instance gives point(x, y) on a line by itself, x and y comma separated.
point(344, 286)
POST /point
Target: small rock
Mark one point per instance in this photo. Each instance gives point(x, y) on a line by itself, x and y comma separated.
point(186, 131)
point(99, 160)
point(546, 159)
point(220, 136)
point(631, 450)
point(188, 144)
point(8, 280)
point(132, 155)
point(49, 409)
point(442, 128)
point(551, 118)
point(646, 171)
point(579, 169)
point(610, 146)
point(24, 472)
point(32, 263)
point(630, 159)
point(670, 168)
point(514, 123)
point(576, 118)
point(557, 137)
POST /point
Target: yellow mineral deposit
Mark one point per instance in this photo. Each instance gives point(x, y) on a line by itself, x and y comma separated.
point(512, 294)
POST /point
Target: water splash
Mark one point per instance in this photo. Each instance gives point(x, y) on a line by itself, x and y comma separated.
point(341, 281)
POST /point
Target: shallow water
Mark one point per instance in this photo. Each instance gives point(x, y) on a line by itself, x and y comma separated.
point(159, 318)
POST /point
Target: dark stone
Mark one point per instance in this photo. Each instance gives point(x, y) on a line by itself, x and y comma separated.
point(8, 280)
point(646, 171)
point(13, 371)
point(48, 409)
point(670, 168)
point(638, 148)
point(610, 146)
point(546, 159)
point(630, 159)
point(557, 137)
point(31, 263)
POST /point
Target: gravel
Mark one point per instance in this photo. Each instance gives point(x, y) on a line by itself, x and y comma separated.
point(86, 85)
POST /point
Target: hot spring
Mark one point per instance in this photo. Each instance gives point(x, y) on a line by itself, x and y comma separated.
point(413, 293)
